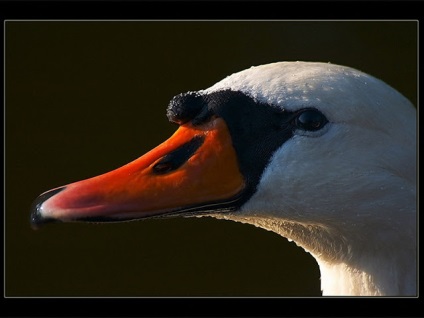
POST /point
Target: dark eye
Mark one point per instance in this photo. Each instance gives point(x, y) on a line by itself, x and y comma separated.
point(310, 119)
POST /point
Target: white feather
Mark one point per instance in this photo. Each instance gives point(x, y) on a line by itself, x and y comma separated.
point(346, 193)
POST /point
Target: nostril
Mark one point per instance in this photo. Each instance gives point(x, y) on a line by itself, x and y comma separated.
point(178, 157)
point(163, 167)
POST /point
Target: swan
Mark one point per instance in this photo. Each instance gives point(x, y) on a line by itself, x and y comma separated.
point(322, 154)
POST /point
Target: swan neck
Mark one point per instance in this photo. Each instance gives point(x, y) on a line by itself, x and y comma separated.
point(368, 279)
point(349, 268)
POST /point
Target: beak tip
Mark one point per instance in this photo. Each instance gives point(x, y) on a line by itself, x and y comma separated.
point(36, 217)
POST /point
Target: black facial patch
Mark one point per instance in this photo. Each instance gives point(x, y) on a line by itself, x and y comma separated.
point(257, 129)
point(178, 157)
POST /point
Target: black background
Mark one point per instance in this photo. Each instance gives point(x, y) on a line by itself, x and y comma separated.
point(85, 97)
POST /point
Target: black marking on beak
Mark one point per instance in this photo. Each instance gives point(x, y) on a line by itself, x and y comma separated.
point(36, 218)
point(178, 157)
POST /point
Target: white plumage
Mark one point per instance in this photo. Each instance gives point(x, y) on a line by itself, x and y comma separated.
point(347, 193)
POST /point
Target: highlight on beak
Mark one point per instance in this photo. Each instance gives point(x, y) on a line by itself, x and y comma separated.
point(37, 219)
point(194, 170)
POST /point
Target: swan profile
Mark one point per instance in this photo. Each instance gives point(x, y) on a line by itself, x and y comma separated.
point(322, 154)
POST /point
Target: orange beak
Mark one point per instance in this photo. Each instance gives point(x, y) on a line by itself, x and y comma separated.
point(197, 167)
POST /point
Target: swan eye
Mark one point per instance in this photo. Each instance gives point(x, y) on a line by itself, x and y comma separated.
point(310, 119)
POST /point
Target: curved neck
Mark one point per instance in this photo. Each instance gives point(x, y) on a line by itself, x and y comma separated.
point(349, 268)
point(369, 276)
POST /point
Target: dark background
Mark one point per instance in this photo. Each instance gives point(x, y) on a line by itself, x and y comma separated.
point(83, 98)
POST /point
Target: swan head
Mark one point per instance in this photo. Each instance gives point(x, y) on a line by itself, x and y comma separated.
point(319, 153)
point(357, 162)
